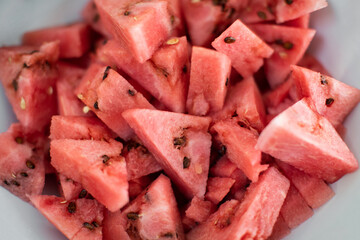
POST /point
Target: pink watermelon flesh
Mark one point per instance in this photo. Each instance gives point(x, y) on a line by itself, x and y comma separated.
point(218, 188)
point(112, 226)
point(209, 78)
point(223, 167)
point(301, 137)
point(92, 17)
point(179, 142)
point(28, 77)
point(314, 190)
point(289, 43)
point(295, 210)
point(74, 39)
point(254, 218)
point(275, 97)
point(76, 127)
point(310, 62)
point(199, 210)
point(97, 165)
point(280, 229)
point(72, 218)
point(288, 11)
point(258, 11)
point(243, 104)
point(240, 147)
point(165, 75)
point(246, 52)
point(70, 189)
point(139, 161)
point(300, 22)
point(108, 94)
point(136, 186)
point(154, 213)
point(332, 99)
point(126, 19)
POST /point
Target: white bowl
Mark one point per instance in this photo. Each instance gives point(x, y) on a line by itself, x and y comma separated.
point(337, 45)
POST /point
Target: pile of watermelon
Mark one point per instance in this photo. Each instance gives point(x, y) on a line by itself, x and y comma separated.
point(175, 119)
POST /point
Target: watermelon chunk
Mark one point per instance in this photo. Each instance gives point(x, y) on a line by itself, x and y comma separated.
point(243, 47)
point(254, 218)
point(240, 147)
point(218, 188)
point(199, 210)
point(209, 78)
point(280, 229)
point(243, 104)
point(74, 39)
point(300, 22)
point(75, 219)
point(154, 214)
point(179, 142)
point(314, 190)
point(136, 186)
point(289, 10)
point(97, 165)
point(332, 98)
point(70, 189)
point(112, 226)
point(108, 94)
point(308, 141)
point(133, 24)
point(28, 77)
point(258, 11)
point(289, 43)
point(92, 17)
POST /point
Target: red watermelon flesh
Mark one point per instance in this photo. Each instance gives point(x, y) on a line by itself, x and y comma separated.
point(92, 17)
point(295, 210)
point(199, 210)
point(300, 22)
point(209, 79)
point(134, 26)
point(289, 43)
point(176, 17)
point(254, 218)
point(28, 76)
point(274, 111)
point(275, 97)
point(223, 167)
point(314, 190)
point(74, 39)
point(244, 104)
point(77, 127)
point(72, 218)
point(112, 226)
point(280, 230)
point(258, 11)
point(308, 141)
point(179, 142)
point(139, 161)
point(289, 10)
point(240, 147)
point(154, 214)
point(136, 186)
point(69, 188)
point(97, 165)
point(332, 99)
point(247, 52)
point(108, 94)
point(218, 188)
point(310, 62)
point(140, 89)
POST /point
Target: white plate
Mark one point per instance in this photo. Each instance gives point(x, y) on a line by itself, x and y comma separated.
point(337, 45)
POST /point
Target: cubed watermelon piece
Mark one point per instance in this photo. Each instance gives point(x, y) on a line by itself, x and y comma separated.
point(70, 189)
point(244, 104)
point(258, 11)
point(209, 79)
point(112, 226)
point(310, 62)
point(180, 143)
point(314, 190)
point(199, 210)
point(218, 188)
point(108, 94)
point(28, 77)
point(300, 22)
point(134, 26)
point(75, 218)
point(254, 218)
point(223, 167)
point(240, 147)
point(154, 213)
point(246, 50)
point(332, 99)
point(295, 210)
point(289, 10)
point(97, 165)
point(280, 230)
point(289, 43)
point(301, 137)
point(74, 39)
point(92, 17)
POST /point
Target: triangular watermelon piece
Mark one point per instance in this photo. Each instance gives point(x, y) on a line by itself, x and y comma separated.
point(289, 10)
point(289, 43)
point(97, 165)
point(240, 147)
point(209, 80)
point(332, 98)
point(254, 218)
point(308, 141)
point(136, 186)
point(112, 226)
point(280, 230)
point(258, 11)
point(82, 217)
point(92, 17)
point(108, 94)
point(199, 210)
point(154, 213)
point(70, 189)
point(218, 188)
point(300, 22)
point(179, 142)
point(246, 50)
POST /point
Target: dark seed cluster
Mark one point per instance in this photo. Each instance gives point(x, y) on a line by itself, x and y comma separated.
point(83, 193)
point(30, 164)
point(71, 207)
point(106, 72)
point(229, 40)
point(329, 102)
point(132, 216)
point(186, 162)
